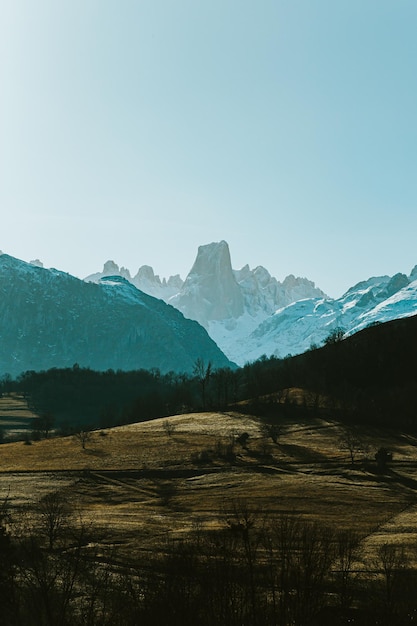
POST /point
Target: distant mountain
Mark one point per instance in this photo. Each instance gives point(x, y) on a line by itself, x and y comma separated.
point(308, 322)
point(229, 303)
point(51, 319)
point(145, 279)
point(249, 313)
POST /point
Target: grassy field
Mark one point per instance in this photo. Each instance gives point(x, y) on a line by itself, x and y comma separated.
point(15, 416)
point(138, 483)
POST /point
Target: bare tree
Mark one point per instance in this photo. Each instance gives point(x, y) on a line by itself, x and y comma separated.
point(223, 383)
point(272, 431)
point(202, 373)
point(392, 561)
point(43, 425)
point(54, 514)
point(346, 545)
point(83, 437)
point(335, 336)
point(352, 442)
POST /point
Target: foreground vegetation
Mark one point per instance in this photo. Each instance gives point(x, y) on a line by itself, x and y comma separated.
point(209, 518)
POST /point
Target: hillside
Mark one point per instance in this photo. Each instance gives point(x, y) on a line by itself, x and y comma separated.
point(369, 377)
point(171, 493)
point(51, 319)
point(200, 454)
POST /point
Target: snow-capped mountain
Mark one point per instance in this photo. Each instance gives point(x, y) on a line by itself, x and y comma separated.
point(307, 323)
point(229, 303)
point(51, 319)
point(249, 313)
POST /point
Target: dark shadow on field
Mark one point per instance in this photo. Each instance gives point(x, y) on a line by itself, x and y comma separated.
point(302, 453)
point(400, 479)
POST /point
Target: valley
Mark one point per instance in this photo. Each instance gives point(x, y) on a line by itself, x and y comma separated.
point(145, 489)
point(146, 479)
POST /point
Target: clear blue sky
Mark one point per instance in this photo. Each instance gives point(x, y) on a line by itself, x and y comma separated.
point(137, 130)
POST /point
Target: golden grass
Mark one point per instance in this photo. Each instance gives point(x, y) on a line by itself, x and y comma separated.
point(137, 483)
point(15, 415)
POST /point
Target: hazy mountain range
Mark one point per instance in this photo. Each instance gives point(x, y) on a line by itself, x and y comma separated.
point(250, 313)
point(109, 320)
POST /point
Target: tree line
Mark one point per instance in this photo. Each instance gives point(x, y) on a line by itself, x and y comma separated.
point(368, 378)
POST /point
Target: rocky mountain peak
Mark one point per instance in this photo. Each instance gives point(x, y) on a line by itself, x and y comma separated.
point(212, 259)
point(110, 268)
point(36, 263)
point(396, 283)
point(210, 291)
point(145, 272)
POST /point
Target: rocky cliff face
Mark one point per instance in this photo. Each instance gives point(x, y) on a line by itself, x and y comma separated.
point(213, 292)
point(51, 319)
point(249, 313)
point(210, 291)
point(265, 294)
point(48, 318)
point(229, 303)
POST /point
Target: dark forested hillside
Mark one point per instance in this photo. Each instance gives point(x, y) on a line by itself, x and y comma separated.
point(370, 377)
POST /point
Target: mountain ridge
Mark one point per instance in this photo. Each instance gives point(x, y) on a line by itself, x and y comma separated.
point(250, 313)
point(229, 303)
point(50, 319)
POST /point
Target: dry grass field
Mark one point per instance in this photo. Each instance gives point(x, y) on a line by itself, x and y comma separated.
point(138, 484)
point(15, 416)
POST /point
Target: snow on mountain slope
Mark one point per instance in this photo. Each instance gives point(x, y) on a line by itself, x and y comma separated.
point(403, 303)
point(249, 313)
point(229, 303)
point(307, 323)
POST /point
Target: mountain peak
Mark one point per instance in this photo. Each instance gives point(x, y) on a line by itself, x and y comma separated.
point(212, 257)
point(210, 291)
point(413, 274)
point(110, 268)
point(146, 272)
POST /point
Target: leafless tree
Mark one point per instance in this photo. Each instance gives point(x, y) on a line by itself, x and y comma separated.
point(54, 515)
point(169, 427)
point(391, 561)
point(203, 373)
point(43, 425)
point(83, 437)
point(272, 431)
point(346, 546)
point(351, 441)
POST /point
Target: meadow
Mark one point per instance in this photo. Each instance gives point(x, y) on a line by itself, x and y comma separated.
point(142, 487)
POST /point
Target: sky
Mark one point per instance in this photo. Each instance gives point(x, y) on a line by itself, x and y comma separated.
point(138, 130)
